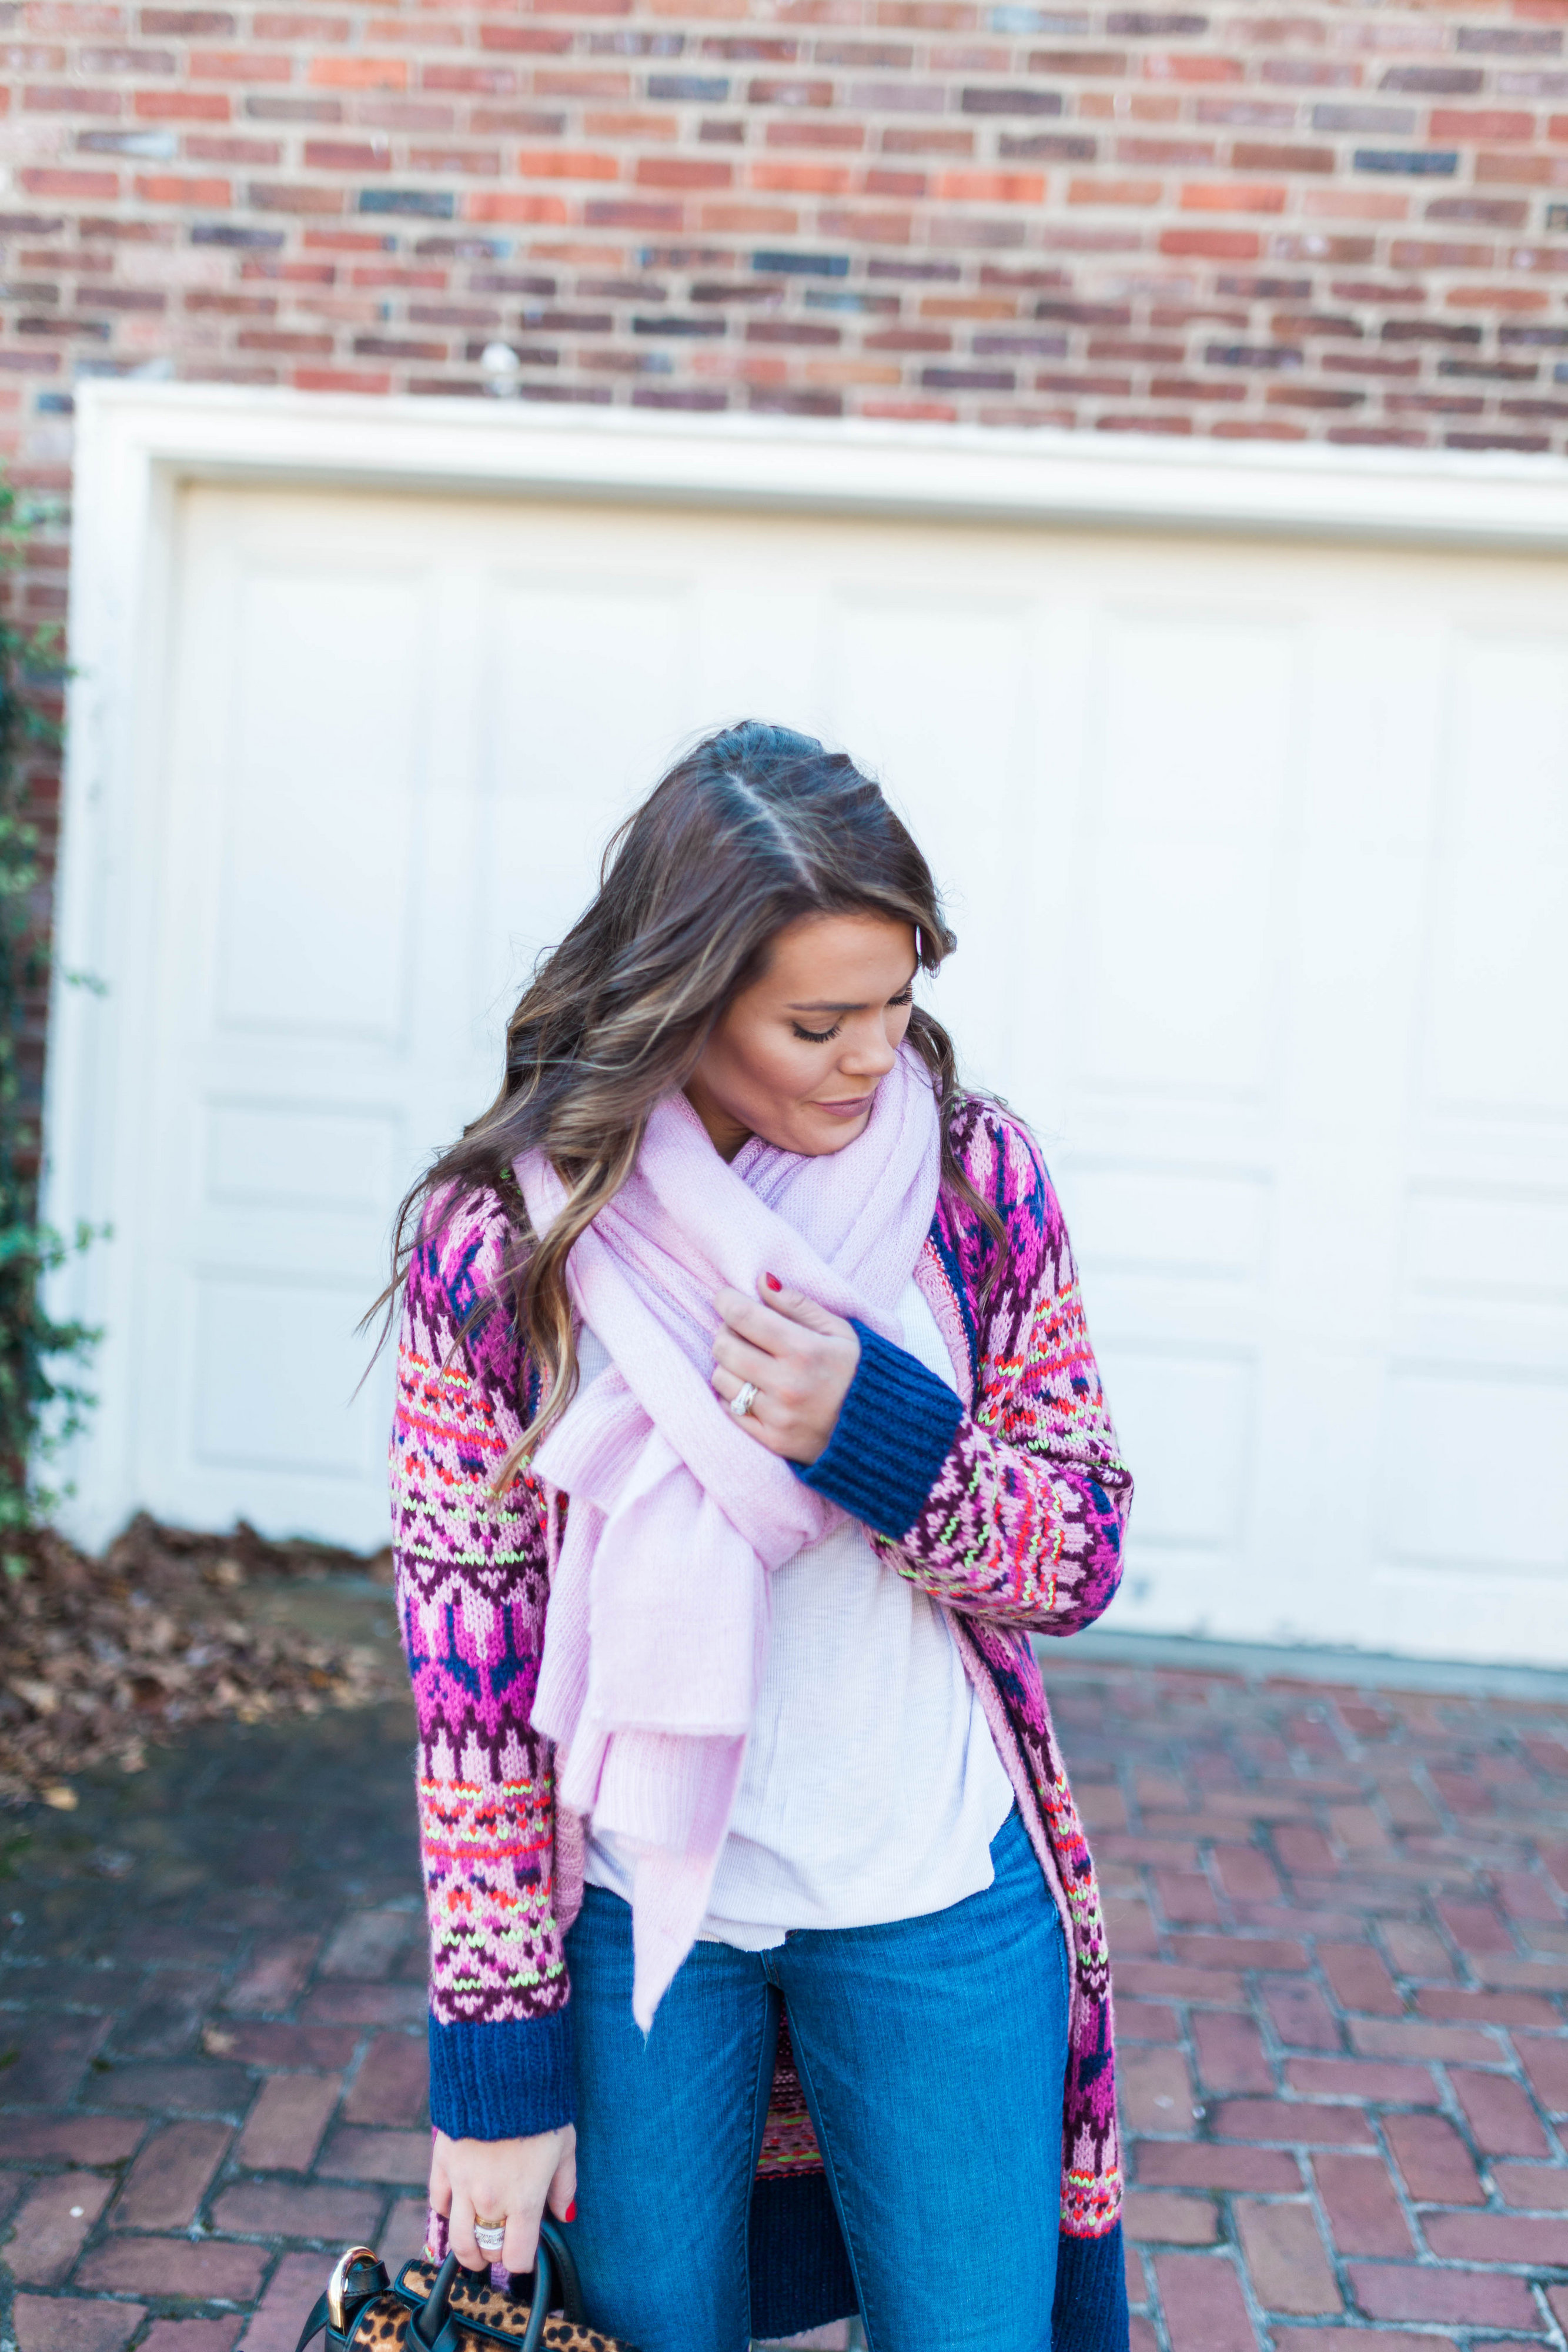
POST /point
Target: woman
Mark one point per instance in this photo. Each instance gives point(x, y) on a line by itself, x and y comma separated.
point(746, 1429)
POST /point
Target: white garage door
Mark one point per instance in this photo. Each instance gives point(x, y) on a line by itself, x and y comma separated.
point(1259, 859)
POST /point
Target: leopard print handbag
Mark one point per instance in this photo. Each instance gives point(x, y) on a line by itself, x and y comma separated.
point(450, 2309)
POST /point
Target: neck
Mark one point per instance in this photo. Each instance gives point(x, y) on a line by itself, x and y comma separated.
point(726, 1132)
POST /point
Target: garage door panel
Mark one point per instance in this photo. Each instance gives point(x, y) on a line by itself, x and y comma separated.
point(1457, 1613)
point(1166, 1312)
point(1485, 1244)
point(1477, 1469)
point(292, 1156)
point(1510, 744)
point(1374, 720)
point(931, 693)
point(1520, 1335)
point(590, 693)
point(1501, 961)
point(1180, 987)
point(275, 1363)
point(1257, 858)
point(1358, 917)
point(320, 786)
point(1501, 882)
point(764, 649)
point(1186, 1422)
point(592, 683)
point(1146, 1220)
point(1195, 731)
point(1199, 724)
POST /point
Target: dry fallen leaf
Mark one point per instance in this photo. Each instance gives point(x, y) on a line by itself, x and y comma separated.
point(41, 1696)
point(102, 1655)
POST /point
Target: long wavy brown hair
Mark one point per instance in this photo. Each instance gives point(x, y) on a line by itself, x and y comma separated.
point(753, 829)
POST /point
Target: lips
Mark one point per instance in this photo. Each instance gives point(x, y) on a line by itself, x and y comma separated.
point(848, 1108)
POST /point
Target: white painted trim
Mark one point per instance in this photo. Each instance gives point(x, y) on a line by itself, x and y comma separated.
point(137, 441)
point(200, 431)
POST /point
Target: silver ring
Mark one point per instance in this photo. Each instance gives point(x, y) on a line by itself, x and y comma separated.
point(490, 2237)
point(743, 1399)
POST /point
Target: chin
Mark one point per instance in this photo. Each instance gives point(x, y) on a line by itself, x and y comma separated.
point(812, 1136)
point(833, 1134)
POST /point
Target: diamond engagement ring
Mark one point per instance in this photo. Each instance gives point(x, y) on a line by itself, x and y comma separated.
point(743, 1399)
point(489, 2236)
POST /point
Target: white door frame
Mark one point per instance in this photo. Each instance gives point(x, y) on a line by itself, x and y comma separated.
point(138, 443)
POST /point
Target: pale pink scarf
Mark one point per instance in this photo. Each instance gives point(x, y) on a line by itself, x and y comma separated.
point(659, 1605)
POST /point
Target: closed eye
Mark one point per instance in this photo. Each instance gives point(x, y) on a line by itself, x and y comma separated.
point(824, 1036)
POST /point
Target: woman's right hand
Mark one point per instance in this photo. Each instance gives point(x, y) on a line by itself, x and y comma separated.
point(502, 2179)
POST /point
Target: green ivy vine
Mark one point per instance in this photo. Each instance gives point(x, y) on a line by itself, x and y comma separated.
point(43, 1363)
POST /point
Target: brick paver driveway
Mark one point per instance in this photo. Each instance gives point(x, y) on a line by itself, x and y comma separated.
point(1341, 1947)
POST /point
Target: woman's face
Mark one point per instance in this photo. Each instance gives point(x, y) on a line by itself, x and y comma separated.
point(796, 1056)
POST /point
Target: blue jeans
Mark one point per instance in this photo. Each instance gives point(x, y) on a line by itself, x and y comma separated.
point(931, 2052)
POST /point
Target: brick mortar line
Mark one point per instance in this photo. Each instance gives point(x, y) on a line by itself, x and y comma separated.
point(1275, 2046)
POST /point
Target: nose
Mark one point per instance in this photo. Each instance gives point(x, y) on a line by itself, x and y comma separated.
point(870, 1054)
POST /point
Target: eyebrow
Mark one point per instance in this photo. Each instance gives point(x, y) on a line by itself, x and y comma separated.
point(821, 1004)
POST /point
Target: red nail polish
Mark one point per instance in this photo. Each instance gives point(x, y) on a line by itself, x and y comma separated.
point(773, 1282)
point(571, 2210)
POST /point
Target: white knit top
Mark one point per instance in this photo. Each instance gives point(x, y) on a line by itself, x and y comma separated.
point(871, 1788)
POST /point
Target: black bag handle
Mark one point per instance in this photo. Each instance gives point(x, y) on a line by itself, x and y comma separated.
point(313, 2325)
point(554, 2279)
point(357, 2275)
point(567, 2289)
point(429, 2324)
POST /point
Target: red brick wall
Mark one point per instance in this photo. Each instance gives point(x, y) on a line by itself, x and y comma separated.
point(1349, 221)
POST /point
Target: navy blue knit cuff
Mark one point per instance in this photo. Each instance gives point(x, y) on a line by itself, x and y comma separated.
point(506, 2081)
point(1091, 2307)
point(896, 1428)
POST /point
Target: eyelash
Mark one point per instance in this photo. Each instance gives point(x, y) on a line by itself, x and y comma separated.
point(825, 1037)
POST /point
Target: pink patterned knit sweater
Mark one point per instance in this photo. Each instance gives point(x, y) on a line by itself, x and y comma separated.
point(1020, 1531)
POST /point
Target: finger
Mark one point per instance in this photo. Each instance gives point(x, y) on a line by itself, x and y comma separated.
point(796, 1307)
point(728, 1388)
point(728, 1385)
point(440, 2184)
point(563, 2187)
point(460, 2232)
point(758, 1421)
point(522, 2243)
point(746, 1362)
point(749, 1319)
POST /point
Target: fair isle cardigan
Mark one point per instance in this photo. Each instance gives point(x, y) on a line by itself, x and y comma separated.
point(1006, 1502)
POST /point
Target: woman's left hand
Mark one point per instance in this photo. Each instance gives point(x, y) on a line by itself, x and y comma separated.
point(799, 1358)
